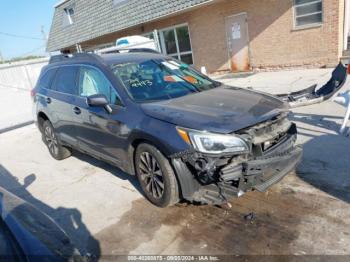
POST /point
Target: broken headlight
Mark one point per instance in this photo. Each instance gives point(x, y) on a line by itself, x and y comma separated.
point(211, 143)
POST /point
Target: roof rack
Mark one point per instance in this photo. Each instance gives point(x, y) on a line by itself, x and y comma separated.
point(58, 58)
point(65, 57)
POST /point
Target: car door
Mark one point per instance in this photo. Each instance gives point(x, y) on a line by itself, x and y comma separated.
point(43, 87)
point(59, 101)
point(99, 132)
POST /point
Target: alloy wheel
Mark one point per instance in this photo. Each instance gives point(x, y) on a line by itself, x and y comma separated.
point(51, 140)
point(151, 174)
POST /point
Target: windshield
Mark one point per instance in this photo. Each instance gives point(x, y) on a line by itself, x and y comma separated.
point(154, 80)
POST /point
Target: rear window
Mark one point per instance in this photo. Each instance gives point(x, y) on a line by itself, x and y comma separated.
point(46, 80)
point(66, 80)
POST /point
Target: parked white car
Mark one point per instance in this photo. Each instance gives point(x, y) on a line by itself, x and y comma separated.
point(131, 42)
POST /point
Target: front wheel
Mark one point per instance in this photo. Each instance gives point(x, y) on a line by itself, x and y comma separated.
point(156, 176)
point(53, 143)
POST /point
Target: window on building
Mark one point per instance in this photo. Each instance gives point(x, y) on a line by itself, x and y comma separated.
point(307, 12)
point(176, 43)
point(68, 15)
point(65, 81)
point(155, 37)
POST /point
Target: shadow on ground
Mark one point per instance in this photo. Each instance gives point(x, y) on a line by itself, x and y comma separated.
point(319, 121)
point(113, 170)
point(326, 160)
point(69, 219)
point(326, 165)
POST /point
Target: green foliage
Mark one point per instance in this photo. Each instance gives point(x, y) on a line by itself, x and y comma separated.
point(16, 59)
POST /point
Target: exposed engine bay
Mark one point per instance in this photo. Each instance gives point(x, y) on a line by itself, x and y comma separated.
point(215, 179)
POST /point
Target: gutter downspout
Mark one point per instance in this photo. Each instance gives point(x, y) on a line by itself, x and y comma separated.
point(78, 47)
point(346, 24)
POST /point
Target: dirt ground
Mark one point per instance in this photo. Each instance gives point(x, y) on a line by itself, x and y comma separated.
point(284, 221)
point(103, 211)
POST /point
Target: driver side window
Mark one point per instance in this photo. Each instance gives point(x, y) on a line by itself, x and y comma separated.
point(93, 82)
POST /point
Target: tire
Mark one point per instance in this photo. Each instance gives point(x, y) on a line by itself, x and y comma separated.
point(53, 143)
point(156, 176)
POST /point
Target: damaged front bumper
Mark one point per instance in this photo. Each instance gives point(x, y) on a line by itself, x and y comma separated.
point(210, 180)
point(313, 94)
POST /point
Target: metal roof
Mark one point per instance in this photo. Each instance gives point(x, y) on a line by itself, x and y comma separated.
point(93, 19)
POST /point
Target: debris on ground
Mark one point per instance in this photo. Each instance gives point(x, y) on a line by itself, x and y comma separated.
point(250, 216)
point(313, 95)
point(226, 206)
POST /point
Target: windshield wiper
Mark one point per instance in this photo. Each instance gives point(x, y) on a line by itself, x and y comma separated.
point(216, 84)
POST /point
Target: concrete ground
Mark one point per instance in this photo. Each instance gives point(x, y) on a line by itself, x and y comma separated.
point(103, 211)
point(15, 107)
point(279, 82)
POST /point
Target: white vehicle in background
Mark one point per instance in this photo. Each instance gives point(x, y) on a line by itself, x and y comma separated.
point(131, 42)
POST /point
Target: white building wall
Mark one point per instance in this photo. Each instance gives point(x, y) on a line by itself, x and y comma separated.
point(21, 75)
point(16, 81)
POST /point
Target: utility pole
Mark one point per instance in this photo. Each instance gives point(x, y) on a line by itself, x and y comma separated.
point(45, 38)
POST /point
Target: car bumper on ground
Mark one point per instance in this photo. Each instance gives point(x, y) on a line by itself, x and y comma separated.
point(236, 177)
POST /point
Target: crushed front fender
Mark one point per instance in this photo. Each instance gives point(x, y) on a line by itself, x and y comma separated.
point(215, 180)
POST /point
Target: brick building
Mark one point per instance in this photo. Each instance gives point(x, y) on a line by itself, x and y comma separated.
point(222, 35)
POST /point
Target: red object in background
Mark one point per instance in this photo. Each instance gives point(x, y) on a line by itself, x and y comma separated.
point(169, 79)
point(191, 79)
point(32, 93)
point(349, 69)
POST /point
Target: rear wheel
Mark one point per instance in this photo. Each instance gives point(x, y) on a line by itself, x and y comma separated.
point(156, 176)
point(53, 143)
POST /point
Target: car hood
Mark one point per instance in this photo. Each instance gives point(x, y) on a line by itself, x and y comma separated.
point(220, 110)
point(35, 233)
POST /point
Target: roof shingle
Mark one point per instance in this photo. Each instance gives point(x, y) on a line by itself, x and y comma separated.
point(96, 18)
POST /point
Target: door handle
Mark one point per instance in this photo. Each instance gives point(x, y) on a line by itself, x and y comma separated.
point(77, 110)
point(48, 100)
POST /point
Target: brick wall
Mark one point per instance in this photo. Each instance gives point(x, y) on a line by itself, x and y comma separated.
point(273, 40)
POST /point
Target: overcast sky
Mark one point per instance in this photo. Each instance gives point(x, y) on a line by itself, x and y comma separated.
point(24, 18)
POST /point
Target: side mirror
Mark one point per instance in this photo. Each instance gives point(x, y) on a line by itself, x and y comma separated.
point(99, 100)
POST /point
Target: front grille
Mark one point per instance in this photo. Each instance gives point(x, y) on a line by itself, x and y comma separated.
point(282, 143)
point(267, 135)
point(266, 126)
